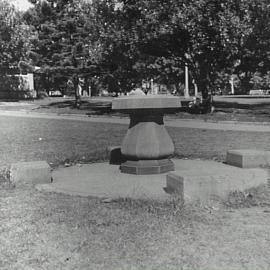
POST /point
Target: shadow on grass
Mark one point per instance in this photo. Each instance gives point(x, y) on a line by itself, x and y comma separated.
point(97, 107)
point(61, 104)
point(236, 105)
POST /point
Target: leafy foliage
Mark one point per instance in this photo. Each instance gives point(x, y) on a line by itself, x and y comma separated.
point(14, 36)
point(14, 42)
point(137, 40)
point(60, 27)
point(140, 38)
point(61, 46)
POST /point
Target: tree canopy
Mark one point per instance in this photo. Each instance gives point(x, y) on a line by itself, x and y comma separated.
point(62, 30)
point(134, 40)
point(14, 36)
point(61, 44)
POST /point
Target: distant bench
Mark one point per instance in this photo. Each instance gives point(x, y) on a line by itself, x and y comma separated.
point(259, 92)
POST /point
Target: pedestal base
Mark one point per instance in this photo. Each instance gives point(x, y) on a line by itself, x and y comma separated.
point(141, 167)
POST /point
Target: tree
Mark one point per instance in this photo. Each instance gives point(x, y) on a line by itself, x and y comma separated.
point(254, 51)
point(202, 33)
point(117, 43)
point(14, 39)
point(210, 36)
point(14, 36)
point(61, 41)
point(134, 40)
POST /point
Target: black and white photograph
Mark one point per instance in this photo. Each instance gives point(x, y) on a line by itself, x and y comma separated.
point(134, 134)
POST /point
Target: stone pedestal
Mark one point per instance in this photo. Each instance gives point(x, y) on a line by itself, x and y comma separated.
point(147, 166)
point(147, 145)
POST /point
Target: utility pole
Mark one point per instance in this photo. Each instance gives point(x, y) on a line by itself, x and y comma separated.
point(186, 92)
point(195, 88)
point(232, 85)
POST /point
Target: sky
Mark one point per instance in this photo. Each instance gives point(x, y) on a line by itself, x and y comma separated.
point(21, 4)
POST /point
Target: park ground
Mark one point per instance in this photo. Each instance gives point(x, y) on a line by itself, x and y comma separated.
point(57, 231)
point(227, 108)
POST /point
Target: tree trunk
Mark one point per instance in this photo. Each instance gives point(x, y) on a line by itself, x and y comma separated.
point(207, 102)
point(245, 82)
point(203, 85)
point(76, 92)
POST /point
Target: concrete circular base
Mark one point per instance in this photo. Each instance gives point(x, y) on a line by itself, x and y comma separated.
point(147, 166)
point(201, 179)
point(106, 181)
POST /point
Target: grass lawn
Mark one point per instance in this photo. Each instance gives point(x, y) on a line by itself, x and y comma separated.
point(226, 108)
point(25, 139)
point(54, 231)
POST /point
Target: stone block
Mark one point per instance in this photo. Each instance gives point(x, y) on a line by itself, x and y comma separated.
point(205, 187)
point(30, 173)
point(174, 184)
point(247, 158)
point(115, 155)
